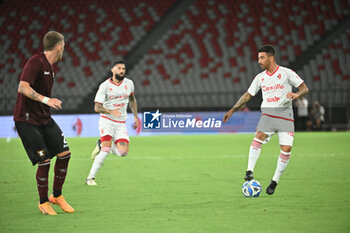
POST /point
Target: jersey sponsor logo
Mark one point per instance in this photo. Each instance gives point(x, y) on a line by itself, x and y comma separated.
point(274, 99)
point(46, 73)
point(274, 87)
point(113, 97)
point(118, 105)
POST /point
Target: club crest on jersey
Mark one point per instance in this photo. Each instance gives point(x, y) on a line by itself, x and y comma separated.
point(126, 88)
point(41, 153)
point(279, 76)
point(110, 89)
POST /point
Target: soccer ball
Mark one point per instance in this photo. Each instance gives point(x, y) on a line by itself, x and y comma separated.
point(251, 188)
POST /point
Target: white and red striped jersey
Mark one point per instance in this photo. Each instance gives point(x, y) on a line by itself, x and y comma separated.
point(274, 88)
point(113, 96)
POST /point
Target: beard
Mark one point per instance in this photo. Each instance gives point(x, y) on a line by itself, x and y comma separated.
point(59, 56)
point(118, 77)
point(263, 66)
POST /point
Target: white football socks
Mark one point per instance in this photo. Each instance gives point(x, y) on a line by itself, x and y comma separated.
point(254, 153)
point(282, 163)
point(97, 163)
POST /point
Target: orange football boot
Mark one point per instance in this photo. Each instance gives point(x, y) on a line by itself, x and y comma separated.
point(46, 208)
point(61, 202)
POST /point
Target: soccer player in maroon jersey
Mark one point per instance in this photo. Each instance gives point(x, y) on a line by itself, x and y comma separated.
point(42, 138)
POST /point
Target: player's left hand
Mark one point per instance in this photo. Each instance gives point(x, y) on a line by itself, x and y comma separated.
point(54, 103)
point(292, 96)
point(136, 123)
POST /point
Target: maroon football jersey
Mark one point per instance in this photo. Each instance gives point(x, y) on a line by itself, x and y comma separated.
point(39, 74)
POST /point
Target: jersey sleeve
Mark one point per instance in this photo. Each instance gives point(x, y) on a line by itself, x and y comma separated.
point(101, 94)
point(132, 87)
point(254, 86)
point(294, 78)
point(32, 69)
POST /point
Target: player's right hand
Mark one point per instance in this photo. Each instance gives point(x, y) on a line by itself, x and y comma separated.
point(115, 112)
point(54, 103)
point(227, 116)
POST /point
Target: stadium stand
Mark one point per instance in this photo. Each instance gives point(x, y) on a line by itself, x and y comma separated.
point(206, 59)
point(328, 73)
point(96, 33)
point(212, 48)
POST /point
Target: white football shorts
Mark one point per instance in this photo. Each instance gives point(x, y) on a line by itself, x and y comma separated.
point(114, 129)
point(283, 128)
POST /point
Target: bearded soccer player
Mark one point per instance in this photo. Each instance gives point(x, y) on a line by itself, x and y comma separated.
point(111, 102)
point(42, 138)
point(276, 84)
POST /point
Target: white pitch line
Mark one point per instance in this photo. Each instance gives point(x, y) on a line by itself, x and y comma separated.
point(159, 157)
point(322, 155)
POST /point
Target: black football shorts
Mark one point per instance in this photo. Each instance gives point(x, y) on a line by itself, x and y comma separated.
point(41, 142)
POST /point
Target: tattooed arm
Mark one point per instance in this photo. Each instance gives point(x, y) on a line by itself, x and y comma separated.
point(242, 101)
point(25, 89)
point(302, 90)
point(133, 107)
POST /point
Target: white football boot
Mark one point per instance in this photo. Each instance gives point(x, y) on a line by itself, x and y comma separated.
point(90, 181)
point(96, 150)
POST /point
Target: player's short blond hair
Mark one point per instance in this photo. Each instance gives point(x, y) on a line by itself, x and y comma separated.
point(51, 39)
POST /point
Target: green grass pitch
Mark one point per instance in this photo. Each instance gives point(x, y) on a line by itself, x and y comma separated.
point(186, 183)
